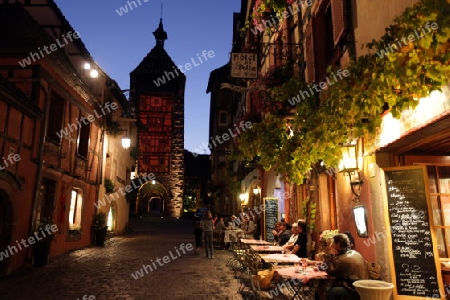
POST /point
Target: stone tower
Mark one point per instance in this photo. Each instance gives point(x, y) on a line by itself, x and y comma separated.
point(157, 87)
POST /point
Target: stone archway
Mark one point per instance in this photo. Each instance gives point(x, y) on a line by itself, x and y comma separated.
point(154, 205)
point(6, 221)
point(152, 199)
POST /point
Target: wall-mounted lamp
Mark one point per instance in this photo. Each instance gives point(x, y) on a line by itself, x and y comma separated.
point(243, 198)
point(349, 166)
point(126, 142)
point(256, 190)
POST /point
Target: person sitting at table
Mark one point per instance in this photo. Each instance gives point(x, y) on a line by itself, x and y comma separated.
point(346, 267)
point(219, 231)
point(250, 228)
point(300, 244)
point(231, 223)
point(291, 242)
point(276, 232)
point(243, 223)
point(285, 235)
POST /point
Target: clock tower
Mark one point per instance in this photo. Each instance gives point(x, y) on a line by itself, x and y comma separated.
point(157, 87)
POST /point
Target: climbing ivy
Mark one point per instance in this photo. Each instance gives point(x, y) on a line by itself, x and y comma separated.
point(352, 107)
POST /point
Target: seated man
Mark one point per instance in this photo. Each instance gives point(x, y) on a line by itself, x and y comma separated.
point(284, 235)
point(250, 228)
point(232, 223)
point(300, 245)
point(291, 242)
point(346, 266)
point(219, 231)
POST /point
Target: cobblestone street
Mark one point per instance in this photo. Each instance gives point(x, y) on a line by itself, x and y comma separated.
point(106, 273)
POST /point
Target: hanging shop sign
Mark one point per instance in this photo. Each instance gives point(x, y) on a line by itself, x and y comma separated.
point(244, 65)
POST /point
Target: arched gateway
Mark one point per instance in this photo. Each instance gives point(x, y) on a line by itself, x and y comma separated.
point(152, 198)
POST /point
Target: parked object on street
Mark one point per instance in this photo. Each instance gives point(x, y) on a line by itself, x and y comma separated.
point(100, 229)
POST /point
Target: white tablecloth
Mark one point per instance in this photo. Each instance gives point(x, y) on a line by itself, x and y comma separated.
point(255, 242)
point(281, 258)
point(266, 248)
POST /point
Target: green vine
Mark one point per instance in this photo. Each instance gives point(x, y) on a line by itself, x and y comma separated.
point(352, 107)
point(109, 186)
point(113, 128)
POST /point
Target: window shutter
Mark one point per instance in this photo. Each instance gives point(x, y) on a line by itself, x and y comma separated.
point(338, 16)
point(310, 66)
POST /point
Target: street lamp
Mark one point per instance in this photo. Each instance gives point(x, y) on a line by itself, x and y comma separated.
point(256, 192)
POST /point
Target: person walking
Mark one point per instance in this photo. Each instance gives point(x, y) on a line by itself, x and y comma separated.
point(198, 232)
point(208, 229)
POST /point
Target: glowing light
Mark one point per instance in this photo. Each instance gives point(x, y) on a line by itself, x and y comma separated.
point(94, 73)
point(126, 142)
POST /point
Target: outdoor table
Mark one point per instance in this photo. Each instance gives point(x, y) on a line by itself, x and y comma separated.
point(303, 285)
point(281, 258)
point(255, 242)
point(232, 236)
point(266, 248)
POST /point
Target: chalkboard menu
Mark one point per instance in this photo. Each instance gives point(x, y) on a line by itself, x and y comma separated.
point(270, 217)
point(412, 241)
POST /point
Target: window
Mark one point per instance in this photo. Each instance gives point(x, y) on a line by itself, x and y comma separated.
point(83, 139)
point(76, 205)
point(327, 30)
point(223, 118)
point(56, 114)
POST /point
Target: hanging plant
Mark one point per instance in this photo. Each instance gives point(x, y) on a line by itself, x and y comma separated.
point(275, 76)
point(267, 10)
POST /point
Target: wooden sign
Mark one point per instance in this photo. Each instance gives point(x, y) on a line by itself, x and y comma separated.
point(413, 256)
point(244, 65)
point(270, 217)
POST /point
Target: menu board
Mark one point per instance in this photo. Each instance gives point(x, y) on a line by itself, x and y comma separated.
point(270, 217)
point(413, 254)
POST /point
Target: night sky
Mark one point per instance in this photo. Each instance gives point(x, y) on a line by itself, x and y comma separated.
point(119, 43)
